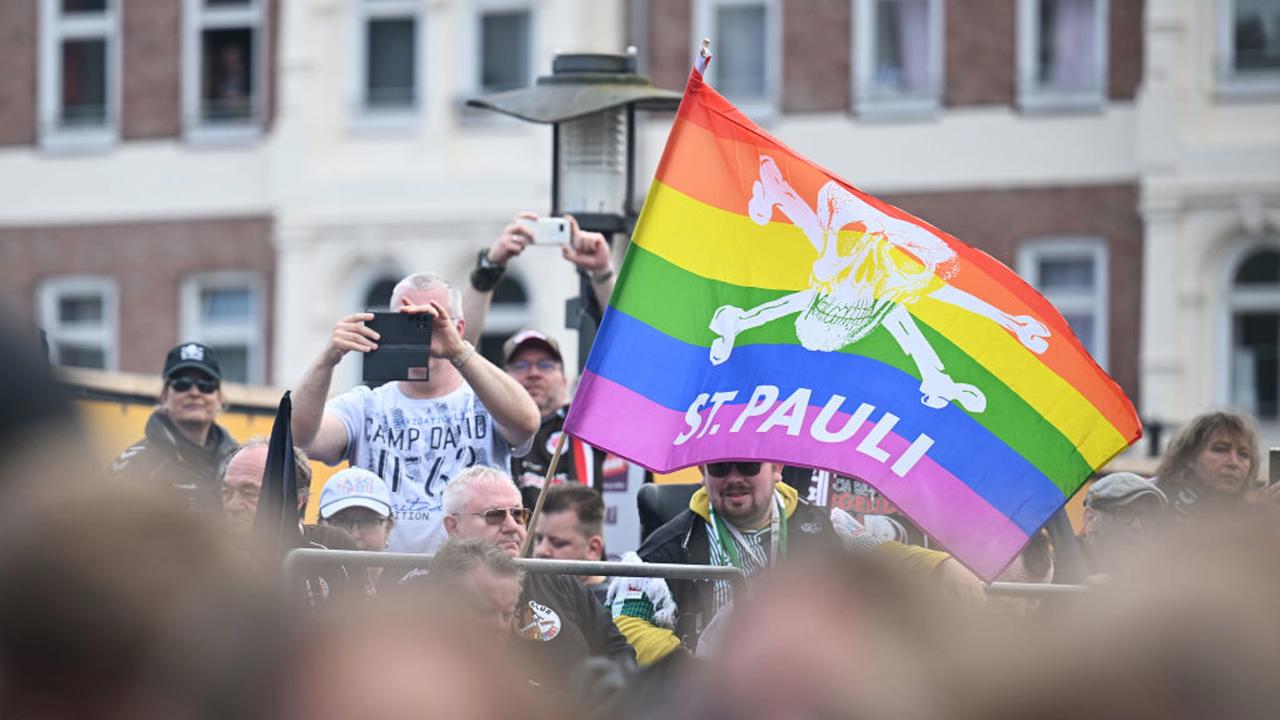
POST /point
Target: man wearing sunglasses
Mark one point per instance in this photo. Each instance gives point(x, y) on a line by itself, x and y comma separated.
point(557, 614)
point(1120, 511)
point(743, 516)
point(184, 449)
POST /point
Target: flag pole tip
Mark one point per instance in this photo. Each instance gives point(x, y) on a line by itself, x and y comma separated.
point(705, 50)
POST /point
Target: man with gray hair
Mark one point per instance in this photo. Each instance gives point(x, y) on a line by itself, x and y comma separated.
point(560, 618)
point(459, 411)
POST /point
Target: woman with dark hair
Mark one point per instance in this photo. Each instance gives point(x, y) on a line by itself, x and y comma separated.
point(1211, 463)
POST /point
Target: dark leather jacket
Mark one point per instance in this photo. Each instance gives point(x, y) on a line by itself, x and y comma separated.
point(165, 458)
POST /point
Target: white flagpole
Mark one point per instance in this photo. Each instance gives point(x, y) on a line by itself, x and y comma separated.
point(704, 56)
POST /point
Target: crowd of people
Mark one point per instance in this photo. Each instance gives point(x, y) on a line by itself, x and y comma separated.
point(141, 590)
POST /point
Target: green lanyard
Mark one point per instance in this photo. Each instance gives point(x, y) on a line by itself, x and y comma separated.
point(779, 533)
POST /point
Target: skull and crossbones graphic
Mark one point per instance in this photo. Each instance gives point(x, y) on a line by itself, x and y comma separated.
point(870, 267)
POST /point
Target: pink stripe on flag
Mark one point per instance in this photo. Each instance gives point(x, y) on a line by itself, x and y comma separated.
point(618, 418)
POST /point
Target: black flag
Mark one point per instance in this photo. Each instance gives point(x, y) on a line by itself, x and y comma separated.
point(276, 525)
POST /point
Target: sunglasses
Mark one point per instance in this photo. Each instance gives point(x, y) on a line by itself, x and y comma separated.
point(544, 365)
point(498, 516)
point(722, 469)
point(184, 384)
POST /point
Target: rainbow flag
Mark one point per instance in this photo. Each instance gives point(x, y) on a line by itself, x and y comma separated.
point(770, 310)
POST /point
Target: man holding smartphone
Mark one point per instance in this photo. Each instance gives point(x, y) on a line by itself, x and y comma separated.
point(456, 411)
point(587, 251)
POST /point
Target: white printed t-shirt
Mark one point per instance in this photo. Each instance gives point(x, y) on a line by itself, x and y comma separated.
point(416, 446)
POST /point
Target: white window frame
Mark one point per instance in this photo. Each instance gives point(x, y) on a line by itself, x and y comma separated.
point(1228, 84)
point(1032, 252)
point(196, 19)
point(472, 54)
point(106, 336)
point(871, 103)
point(254, 337)
point(704, 14)
point(55, 27)
point(363, 116)
point(1234, 300)
point(1031, 95)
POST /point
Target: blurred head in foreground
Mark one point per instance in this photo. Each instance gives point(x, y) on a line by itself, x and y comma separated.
point(117, 603)
point(402, 658)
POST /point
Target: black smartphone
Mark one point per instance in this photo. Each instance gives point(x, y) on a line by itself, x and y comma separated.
point(404, 342)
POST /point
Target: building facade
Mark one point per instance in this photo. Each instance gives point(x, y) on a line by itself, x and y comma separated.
point(247, 172)
point(134, 171)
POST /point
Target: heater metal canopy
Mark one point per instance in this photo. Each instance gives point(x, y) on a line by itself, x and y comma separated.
point(581, 84)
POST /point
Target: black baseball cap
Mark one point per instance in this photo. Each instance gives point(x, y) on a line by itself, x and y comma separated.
point(192, 355)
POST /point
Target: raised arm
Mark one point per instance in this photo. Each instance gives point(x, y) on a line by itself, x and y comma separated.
point(478, 294)
point(590, 251)
point(322, 435)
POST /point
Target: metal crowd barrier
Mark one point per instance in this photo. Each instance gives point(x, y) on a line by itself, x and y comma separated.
point(312, 556)
point(307, 557)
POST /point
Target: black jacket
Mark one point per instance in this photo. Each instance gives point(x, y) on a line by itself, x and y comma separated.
point(565, 625)
point(683, 540)
point(165, 458)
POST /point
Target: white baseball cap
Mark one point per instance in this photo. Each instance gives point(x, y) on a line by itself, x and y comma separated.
point(354, 487)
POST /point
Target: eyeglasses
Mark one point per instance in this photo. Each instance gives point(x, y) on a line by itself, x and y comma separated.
point(498, 516)
point(543, 365)
point(364, 524)
point(721, 469)
point(184, 384)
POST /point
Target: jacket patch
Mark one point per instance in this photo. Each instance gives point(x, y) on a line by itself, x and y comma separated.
point(539, 622)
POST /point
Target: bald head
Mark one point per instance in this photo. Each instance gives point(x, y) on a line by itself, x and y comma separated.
point(241, 485)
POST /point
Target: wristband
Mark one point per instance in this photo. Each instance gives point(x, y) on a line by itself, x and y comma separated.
point(486, 274)
point(468, 350)
point(599, 277)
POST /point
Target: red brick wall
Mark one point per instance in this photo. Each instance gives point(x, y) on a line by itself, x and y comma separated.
point(149, 261)
point(152, 59)
point(1124, 48)
point(815, 49)
point(18, 50)
point(670, 57)
point(998, 221)
point(981, 52)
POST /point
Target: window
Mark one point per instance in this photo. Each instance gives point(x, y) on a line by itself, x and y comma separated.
point(1072, 274)
point(225, 312)
point(78, 315)
point(898, 57)
point(1249, 45)
point(1062, 53)
point(508, 313)
point(224, 74)
point(504, 50)
point(79, 72)
point(389, 48)
point(745, 48)
point(1255, 333)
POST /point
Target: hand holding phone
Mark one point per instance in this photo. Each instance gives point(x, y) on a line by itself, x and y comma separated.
point(547, 230)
